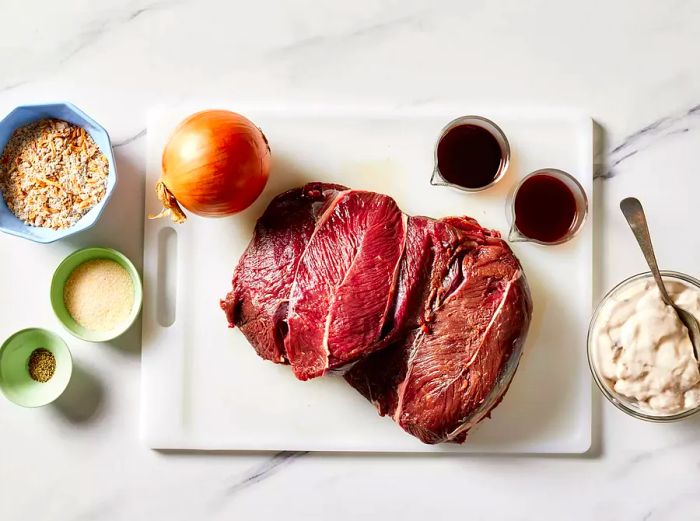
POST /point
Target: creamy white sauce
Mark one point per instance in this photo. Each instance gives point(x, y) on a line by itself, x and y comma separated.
point(643, 351)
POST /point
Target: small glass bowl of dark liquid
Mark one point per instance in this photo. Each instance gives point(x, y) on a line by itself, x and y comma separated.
point(472, 154)
point(547, 207)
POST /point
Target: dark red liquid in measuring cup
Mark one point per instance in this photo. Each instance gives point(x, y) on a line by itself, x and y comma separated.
point(469, 156)
point(545, 208)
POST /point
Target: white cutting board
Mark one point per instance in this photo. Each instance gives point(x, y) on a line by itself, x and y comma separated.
point(203, 386)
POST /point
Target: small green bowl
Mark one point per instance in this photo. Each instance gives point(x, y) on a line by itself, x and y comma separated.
point(62, 274)
point(15, 382)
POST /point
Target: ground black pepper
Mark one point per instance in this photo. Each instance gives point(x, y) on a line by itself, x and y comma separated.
point(41, 365)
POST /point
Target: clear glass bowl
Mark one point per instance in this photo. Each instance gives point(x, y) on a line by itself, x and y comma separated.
point(621, 402)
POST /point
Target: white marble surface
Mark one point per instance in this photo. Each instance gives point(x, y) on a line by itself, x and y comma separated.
point(632, 65)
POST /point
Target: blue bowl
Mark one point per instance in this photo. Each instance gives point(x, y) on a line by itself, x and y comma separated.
point(26, 114)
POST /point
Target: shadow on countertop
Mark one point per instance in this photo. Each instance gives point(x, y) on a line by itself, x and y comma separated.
point(81, 401)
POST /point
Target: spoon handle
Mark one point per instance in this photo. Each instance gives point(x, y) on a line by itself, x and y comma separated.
point(634, 213)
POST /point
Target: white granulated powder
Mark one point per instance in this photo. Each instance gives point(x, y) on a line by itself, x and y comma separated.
point(99, 294)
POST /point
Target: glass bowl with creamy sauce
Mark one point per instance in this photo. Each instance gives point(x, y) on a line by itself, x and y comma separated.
point(640, 354)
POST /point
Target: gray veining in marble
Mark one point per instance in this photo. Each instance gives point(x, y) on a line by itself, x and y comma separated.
point(264, 470)
point(661, 129)
point(127, 141)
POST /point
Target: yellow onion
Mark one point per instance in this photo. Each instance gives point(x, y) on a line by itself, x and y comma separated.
point(216, 163)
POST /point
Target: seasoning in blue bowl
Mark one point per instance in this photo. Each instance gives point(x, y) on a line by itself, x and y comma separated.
point(52, 173)
point(57, 171)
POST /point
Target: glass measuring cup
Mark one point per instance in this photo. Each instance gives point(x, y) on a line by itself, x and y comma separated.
point(438, 179)
point(580, 200)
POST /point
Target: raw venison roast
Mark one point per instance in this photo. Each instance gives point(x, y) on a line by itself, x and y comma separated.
point(426, 318)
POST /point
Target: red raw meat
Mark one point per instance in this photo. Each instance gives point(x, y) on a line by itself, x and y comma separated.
point(441, 378)
point(426, 317)
point(257, 304)
point(345, 283)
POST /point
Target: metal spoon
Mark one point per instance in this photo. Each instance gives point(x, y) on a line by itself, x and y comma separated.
point(634, 213)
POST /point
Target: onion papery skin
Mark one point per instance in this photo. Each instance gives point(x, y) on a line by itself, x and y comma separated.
point(216, 163)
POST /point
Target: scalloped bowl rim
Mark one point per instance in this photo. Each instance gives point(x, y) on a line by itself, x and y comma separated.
point(91, 218)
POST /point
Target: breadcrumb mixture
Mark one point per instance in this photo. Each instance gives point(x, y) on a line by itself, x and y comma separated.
point(52, 173)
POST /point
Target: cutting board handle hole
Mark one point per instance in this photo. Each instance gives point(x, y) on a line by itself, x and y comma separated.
point(167, 277)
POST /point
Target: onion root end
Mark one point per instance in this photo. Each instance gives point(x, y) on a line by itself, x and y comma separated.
point(170, 205)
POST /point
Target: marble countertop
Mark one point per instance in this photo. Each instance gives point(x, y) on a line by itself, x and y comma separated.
point(633, 65)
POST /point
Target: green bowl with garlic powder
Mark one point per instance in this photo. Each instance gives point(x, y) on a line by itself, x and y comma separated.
point(88, 284)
